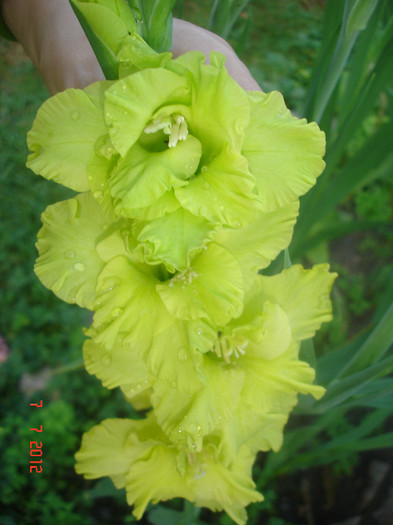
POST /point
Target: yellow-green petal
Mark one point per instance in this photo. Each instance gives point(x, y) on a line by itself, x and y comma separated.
point(122, 366)
point(256, 244)
point(143, 176)
point(302, 294)
point(132, 102)
point(63, 135)
point(211, 288)
point(68, 263)
point(223, 191)
point(127, 302)
point(174, 238)
point(284, 153)
point(102, 451)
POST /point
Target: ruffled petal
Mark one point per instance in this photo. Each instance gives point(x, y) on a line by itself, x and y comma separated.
point(64, 133)
point(223, 191)
point(302, 294)
point(68, 263)
point(284, 153)
point(212, 288)
point(220, 108)
point(255, 245)
point(102, 451)
point(174, 238)
point(188, 417)
point(226, 487)
point(132, 102)
point(127, 303)
point(142, 177)
point(122, 366)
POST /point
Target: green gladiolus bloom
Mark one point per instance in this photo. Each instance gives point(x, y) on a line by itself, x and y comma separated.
point(185, 192)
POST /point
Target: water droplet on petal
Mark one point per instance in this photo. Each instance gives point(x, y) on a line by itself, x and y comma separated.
point(98, 195)
point(106, 360)
point(121, 336)
point(324, 302)
point(79, 267)
point(182, 355)
point(206, 185)
point(116, 312)
point(204, 169)
point(69, 254)
point(75, 115)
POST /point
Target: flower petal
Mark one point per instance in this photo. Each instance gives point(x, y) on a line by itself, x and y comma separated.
point(142, 177)
point(220, 108)
point(64, 133)
point(128, 304)
point(174, 238)
point(122, 366)
point(228, 488)
point(284, 152)
point(255, 245)
point(93, 459)
point(224, 191)
point(189, 416)
point(211, 288)
point(68, 263)
point(132, 101)
point(302, 294)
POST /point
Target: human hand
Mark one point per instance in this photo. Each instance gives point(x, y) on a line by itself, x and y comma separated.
point(52, 37)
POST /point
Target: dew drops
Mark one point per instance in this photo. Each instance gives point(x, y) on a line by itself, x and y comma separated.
point(324, 302)
point(204, 169)
point(116, 312)
point(79, 267)
point(121, 337)
point(111, 283)
point(182, 355)
point(106, 360)
point(75, 115)
point(69, 254)
point(98, 195)
point(195, 430)
point(206, 185)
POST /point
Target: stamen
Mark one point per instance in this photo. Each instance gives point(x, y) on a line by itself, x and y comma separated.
point(175, 126)
point(224, 348)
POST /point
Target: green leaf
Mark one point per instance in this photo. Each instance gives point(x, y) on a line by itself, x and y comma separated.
point(360, 14)
point(157, 23)
point(341, 390)
point(104, 31)
point(375, 347)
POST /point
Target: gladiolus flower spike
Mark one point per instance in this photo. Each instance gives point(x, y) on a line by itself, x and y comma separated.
point(187, 185)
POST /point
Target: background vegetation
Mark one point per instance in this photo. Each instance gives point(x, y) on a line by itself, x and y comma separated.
point(332, 64)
